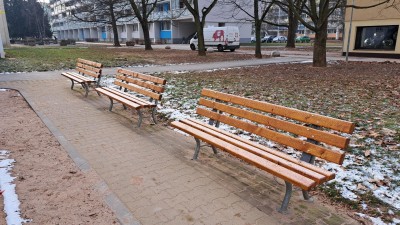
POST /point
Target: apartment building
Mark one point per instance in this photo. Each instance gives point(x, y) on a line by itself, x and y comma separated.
point(373, 30)
point(170, 23)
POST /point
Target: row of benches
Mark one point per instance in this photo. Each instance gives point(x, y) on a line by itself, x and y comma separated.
point(312, 134)
point(88, 74)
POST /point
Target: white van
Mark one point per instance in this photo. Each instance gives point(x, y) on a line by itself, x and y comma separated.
point(221, 38)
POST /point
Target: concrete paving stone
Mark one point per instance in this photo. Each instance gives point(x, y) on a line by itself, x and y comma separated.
point(157, 218)
point(213, 206)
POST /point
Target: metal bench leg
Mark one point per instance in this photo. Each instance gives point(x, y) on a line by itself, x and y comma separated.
point(286, 199)
point(140, 117)
point(153, 114)
point(111, 104)
point(214, 149)
point(86, 87)
point(309, 159)
point(197, 149)
point(124, 106)
point(306, 196)
point(72, 85)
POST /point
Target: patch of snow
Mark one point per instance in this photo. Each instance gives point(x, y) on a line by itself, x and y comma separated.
point(3, 89)
point(350, 174)
point(377, 220)
point(11, 202)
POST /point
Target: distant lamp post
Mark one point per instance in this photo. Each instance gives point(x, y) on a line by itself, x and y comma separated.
point(349, 34)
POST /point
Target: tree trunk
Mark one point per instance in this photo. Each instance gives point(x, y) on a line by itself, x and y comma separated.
point(293, 23)
point(200, 39)
point(200, 36)
point(146, 35)
point(319, 54)
point(114, 26)
point(257, 24)
point(258, 54)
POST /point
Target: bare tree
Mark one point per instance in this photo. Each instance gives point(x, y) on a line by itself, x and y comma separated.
point(319, 12)
point(103, 12)
point(142, 10)
point(255, 12)
point(199, 20)
point(292, 23)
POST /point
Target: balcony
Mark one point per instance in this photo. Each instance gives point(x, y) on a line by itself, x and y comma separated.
point(170, 15)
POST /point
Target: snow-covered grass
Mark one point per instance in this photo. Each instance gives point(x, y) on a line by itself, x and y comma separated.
point(11, 202)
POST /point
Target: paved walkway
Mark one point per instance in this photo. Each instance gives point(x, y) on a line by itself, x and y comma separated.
point(149, 177)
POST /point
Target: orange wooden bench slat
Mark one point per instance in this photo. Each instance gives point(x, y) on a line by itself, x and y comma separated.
point(79, 80)
point(87, 67)
point(317, 177)
point(81, 77)
point(138, 90)
point(119, 98)
point(279, 154)
point(141, 83)
point(273, 168)
point(91, 63)
point(130, 97)
point(323, 153)
point(143, 76)
point(307, 117)
point(318, 135)
point(87, 72)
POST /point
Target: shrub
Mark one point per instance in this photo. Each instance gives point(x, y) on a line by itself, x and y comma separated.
point(63, 42)
point(130, 43)
point(91, 39)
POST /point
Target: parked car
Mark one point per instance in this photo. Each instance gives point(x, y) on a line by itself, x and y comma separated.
point(279, 39)
point(252, 39)
point(267, 38)
point(303, 39)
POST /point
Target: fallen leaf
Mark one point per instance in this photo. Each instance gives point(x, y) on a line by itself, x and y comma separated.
point(373, 134)
point(393, 147)
point(367, 153)
point(388, 132)
point(361, 187)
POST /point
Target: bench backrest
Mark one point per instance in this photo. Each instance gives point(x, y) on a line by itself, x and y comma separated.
point(144, 84)
point(294, 125)
point(89, 68)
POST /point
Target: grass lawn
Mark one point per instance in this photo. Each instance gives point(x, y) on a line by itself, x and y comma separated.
point(58, 58)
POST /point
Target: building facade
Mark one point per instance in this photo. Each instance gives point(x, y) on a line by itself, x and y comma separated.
point(373, 31)
point(170, 23)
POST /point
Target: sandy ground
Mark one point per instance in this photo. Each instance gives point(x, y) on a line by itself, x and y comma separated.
point(51, 189)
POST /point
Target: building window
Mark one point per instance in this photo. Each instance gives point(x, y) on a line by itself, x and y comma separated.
point(378, 37)
point(221, 24)
point(165, 25)
point(135, 27)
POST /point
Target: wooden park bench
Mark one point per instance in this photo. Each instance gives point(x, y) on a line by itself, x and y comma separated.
point(146, 85)
point(312, 134)
point(87, 73)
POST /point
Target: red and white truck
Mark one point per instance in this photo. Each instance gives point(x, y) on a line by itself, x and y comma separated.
point(222, 38)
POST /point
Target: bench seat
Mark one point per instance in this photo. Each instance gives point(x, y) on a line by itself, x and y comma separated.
point(299, 173)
